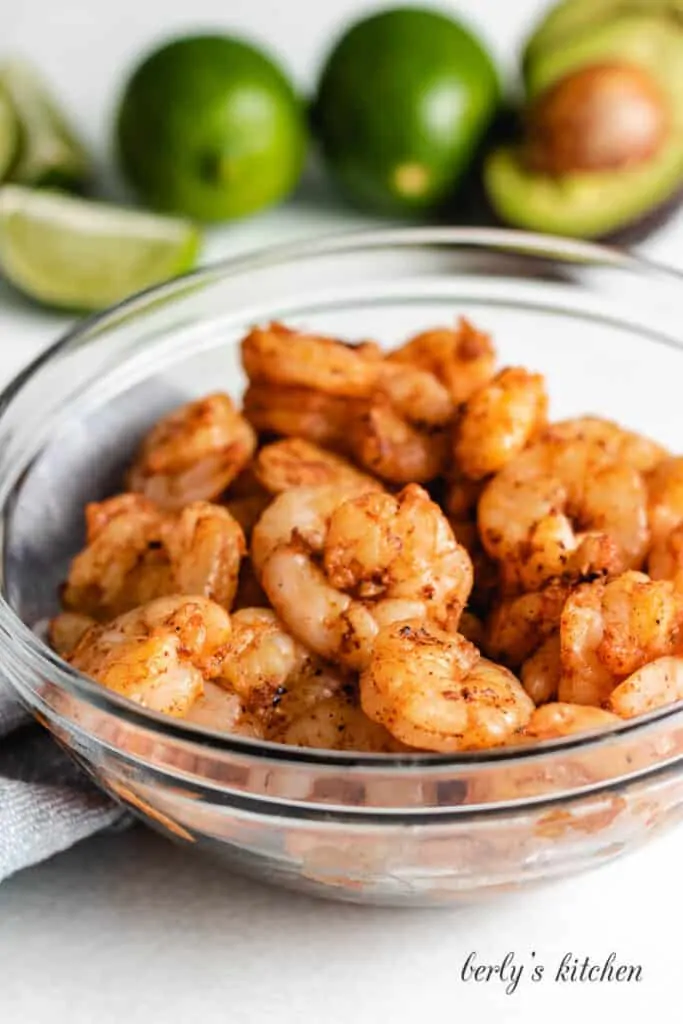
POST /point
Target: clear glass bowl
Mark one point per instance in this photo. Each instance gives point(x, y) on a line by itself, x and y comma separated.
point(605, 327)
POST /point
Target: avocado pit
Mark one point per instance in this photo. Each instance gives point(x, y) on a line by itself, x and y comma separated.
point(600, 118)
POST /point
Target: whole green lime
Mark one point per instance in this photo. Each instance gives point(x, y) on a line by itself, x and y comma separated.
point(403, 100)
point(210, 127)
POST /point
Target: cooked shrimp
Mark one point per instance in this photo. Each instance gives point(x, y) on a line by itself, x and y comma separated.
point(221, 709)
point(278, 355)
point(123, 563)
point(582, 473)
point(555, 720)
point(158, 655)
point(432, 690)
point(541, 672)
point(400, 431)
point(338, 724)
point(205, 546)
point(665, 560)
point(415, 394)
point(665, 498)
point(653, 686)
point(313, 415)
point(462, 358)
point(298, 463)
point(193, 453)
point(393, 448)
point(66, 629)
point(336, 566)
point(609, 630)
point(498, 421)
point(519, 625)
point(274, 675)
point(136, 552)
point(617, 444)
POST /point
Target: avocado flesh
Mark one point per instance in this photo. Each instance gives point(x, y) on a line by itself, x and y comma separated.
point(583, 205)
point(651, 43)
point(570, 19)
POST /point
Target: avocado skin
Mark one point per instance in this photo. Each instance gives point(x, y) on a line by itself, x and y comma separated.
point(640, 228)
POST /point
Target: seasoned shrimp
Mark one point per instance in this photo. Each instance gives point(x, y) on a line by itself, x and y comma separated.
point(393, 448)
point(66, 629)
point(665, 560)
point(136, 552)
point(653, 686)
point(432, 690)
point(158, 655)
point(519, 625)
point(193, 453)
point(274, 675)
point(337, 723)
point(555, 720)
point(221, 709)
point(541, 672)
point(205, 546)
point(277, 355)
point(415, 394)
point(584, 474)
point(617, 444)
point(298, 463)
point(123, 563)
point(337, 565)
point(498, 421)
point(462, 358)
point(313, 415)
point(609, 630)
point(400, 433)
point(665, 498)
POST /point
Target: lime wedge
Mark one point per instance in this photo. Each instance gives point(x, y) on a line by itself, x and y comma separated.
point(9, 134)
point(49, 154)
point(77, 254)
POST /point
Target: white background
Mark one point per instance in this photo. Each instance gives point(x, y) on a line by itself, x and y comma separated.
point(129, 929)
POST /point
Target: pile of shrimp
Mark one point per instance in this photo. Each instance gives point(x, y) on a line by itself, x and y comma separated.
point(385, 553)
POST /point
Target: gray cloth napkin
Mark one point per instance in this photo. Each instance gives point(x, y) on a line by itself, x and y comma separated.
point(46, 803)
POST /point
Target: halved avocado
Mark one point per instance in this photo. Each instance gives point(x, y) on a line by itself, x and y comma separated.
point(599, 200)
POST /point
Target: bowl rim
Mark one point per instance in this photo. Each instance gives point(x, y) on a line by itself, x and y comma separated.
point(531, 244)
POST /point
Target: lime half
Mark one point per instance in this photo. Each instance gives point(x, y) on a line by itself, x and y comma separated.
point(49, 153)
point(79, 254)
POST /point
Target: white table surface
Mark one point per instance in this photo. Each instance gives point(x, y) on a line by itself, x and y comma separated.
point(127, 928)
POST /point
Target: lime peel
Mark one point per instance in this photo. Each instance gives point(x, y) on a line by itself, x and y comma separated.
point(48, 153)
point(77, 254)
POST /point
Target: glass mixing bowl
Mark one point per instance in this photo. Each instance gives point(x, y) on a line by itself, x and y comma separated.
point(606, 329)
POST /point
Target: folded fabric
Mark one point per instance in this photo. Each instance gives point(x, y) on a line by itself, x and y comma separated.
point(46, 802)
